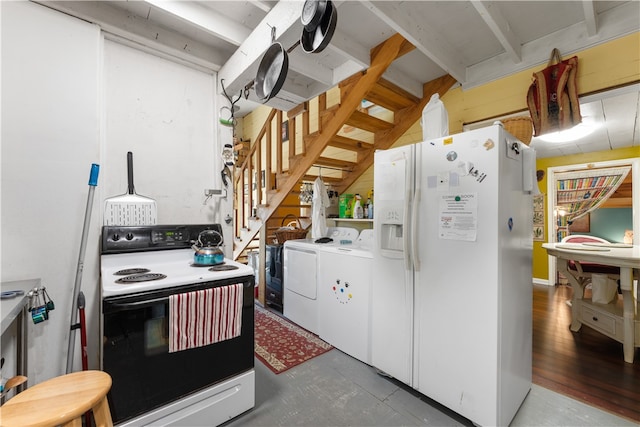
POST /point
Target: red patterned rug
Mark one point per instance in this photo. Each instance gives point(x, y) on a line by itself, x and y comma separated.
point(281, 345)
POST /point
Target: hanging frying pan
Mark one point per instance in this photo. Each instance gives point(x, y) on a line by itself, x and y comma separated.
point(312, 12)
point(272, 72)
point(314, 41)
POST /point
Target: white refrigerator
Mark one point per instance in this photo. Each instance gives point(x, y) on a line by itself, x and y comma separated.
point(452, 278)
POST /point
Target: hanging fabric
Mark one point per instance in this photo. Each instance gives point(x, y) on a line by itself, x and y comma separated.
point(584, 191)
point(319, 207)
point(553, 96)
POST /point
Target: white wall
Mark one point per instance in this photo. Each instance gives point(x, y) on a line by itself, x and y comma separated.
point(69, 99)
point(165, 113)
point(162, 112)
point(50, 72)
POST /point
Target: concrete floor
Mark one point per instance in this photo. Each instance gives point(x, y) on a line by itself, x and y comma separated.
point(336, 390)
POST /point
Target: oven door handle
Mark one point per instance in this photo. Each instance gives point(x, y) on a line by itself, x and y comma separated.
point(121, 306)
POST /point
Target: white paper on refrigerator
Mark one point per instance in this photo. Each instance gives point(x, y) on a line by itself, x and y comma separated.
point(458, 216)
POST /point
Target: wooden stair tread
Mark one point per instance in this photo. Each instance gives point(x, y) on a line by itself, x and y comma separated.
point(319, 162)
point(366, 122)
point(342, 142)
point(345, 143)
point(390, 96)
point(337, 163)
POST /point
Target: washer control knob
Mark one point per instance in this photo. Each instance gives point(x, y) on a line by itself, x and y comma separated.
point(129, 236)
point(116, 237)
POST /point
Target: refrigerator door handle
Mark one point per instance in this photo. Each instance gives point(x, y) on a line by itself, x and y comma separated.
point(415, 256)
point(406, 216)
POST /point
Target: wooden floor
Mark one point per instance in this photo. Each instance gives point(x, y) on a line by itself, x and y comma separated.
point(586, 365)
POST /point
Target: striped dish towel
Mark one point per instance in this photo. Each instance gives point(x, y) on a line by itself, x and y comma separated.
point(204, 317)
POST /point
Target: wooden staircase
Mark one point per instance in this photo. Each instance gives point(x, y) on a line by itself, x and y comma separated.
point(267, 197)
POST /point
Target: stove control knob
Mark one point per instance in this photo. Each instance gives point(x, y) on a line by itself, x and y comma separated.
point(129, 236)
point(116, 237)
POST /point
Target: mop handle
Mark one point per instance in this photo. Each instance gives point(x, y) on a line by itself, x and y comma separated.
point(93, 182)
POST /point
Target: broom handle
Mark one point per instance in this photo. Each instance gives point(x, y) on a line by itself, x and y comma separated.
point(93, 182)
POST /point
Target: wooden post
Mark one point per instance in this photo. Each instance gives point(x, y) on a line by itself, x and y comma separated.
point(278, 145)
point(292, 138)
point(322, 106)
point(258, 171)
point(267, 168)
point(305, 130)
point(249, 199)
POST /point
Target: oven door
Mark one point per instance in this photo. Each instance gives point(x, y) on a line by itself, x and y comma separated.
point(136, 351)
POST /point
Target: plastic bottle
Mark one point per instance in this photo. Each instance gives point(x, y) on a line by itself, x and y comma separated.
point(370, 209)
point(435, 119)
point(358, 212)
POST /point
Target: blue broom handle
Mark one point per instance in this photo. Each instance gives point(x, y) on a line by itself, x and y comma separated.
point(93, 182)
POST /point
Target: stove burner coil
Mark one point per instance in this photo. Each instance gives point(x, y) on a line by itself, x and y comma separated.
point(197, 265)
point(145, 277)
point(223, 267)
point(130, 271)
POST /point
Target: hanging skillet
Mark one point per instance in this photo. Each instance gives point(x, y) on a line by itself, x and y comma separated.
point(315, 40)
point(312, 13)
point(272, 70)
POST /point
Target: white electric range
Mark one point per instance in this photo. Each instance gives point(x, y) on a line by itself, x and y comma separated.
point(206, 385)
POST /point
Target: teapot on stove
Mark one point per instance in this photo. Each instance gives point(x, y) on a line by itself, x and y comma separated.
point(208, 251)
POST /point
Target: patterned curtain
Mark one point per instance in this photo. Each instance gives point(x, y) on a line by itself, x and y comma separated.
point(582, 192)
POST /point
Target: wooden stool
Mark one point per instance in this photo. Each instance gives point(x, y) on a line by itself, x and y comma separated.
point(61, 401)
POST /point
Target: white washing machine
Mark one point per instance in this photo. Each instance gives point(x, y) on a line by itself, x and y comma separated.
point(344, 296)
point(300, 276)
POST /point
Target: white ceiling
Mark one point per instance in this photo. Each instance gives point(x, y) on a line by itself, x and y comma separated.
point(474, 41)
